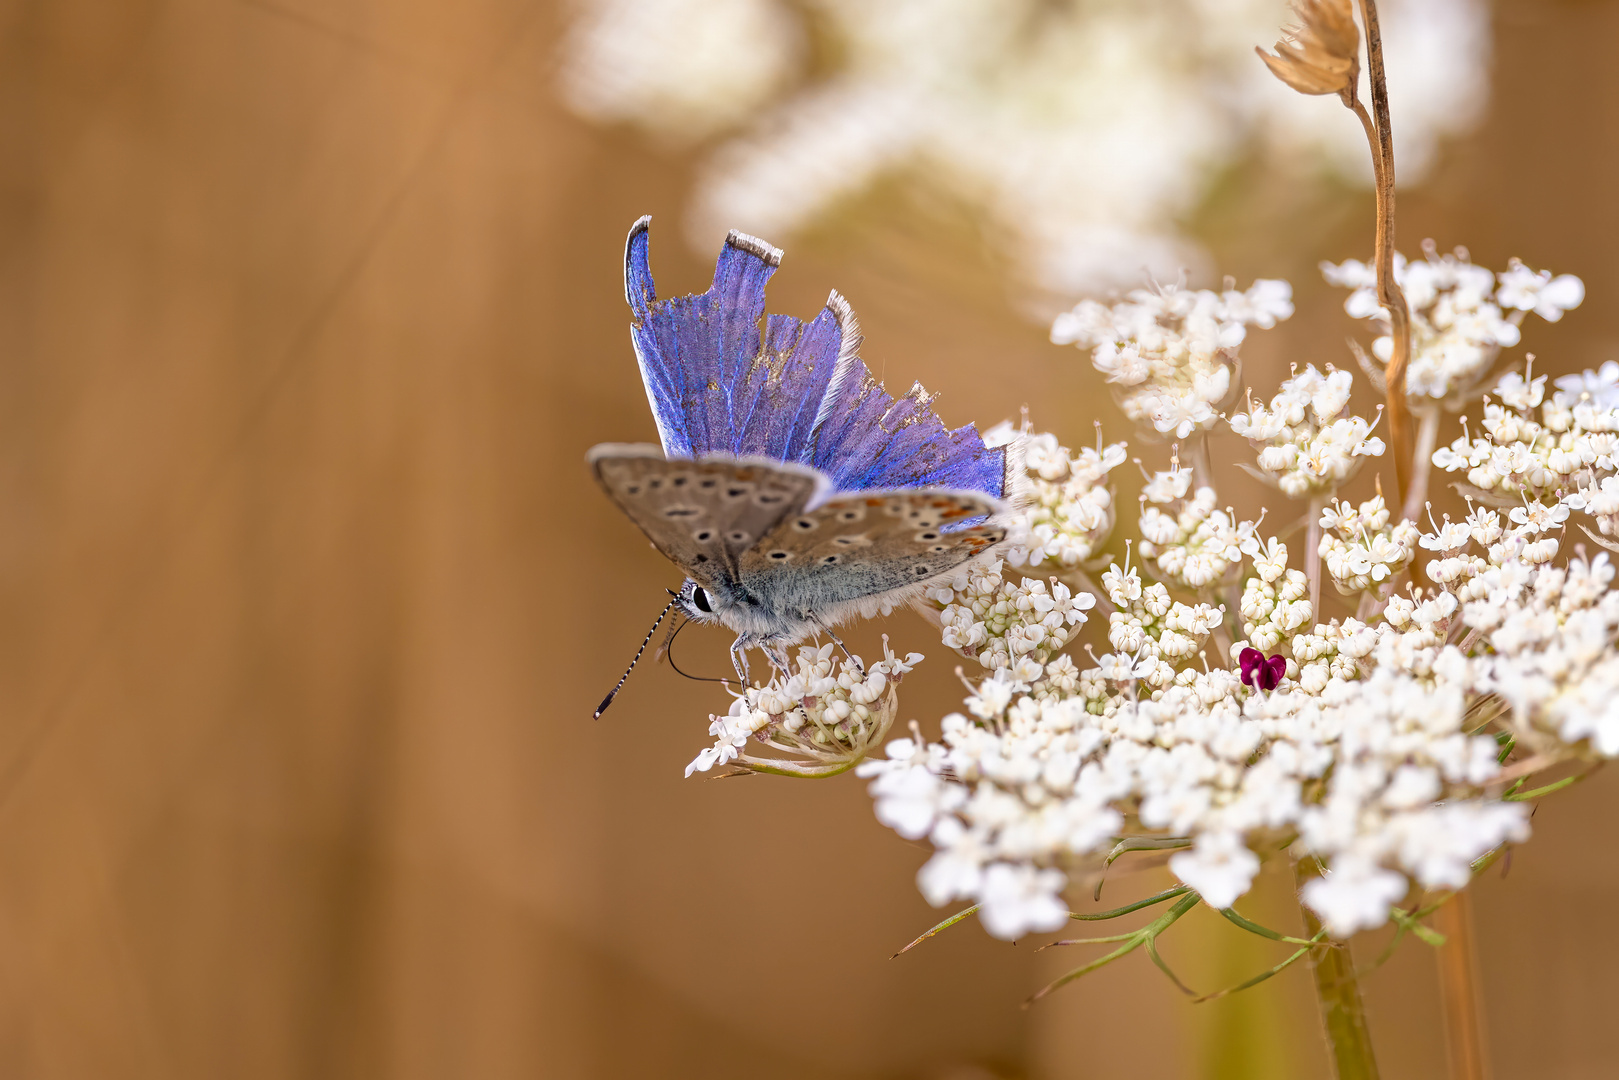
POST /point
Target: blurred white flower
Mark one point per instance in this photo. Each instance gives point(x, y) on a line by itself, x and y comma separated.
point(696, 66)
point(1017, 899)
point(1219, 867)
point(1169, 351)
point(1600, 387)
point(1084, 130)
point(1462, 316)
point(1354, 895)
point(1523, 289)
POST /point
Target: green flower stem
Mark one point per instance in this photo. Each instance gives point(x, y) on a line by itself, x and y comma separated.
point(939, 929)
point(1146, 937)
point(1349, 1042)
point(1138, 843)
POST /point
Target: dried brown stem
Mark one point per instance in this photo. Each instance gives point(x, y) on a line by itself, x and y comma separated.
point(1380, 136)
point(1459, 989)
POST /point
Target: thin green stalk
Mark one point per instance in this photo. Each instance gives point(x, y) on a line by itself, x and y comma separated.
point(940, 928)
point(1146, 936)
point(1138, 843)
point(1337, 990)
point(1167, 894)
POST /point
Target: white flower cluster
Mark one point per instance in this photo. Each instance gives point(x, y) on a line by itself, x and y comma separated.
point(1395, 804)
point(1022, 136)
point(1375, 745)
point(1306, 445)
point(1597, 390)
point(1152, 634)
point(1369, 548)
point(830, 711)
point(1190, 543)
point(1275, 602)
point(1388, 747)
point(1169, 351)
point(1066, 511)
point(1551, 658)
point(1513, 457)
point(1461, 316)
point(1005, 624)
point(1602, 503)
point(1370, 768)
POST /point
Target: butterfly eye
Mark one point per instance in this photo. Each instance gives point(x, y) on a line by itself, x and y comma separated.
point(699, 598)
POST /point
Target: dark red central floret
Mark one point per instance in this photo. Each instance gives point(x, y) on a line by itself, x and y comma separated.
point(1259, 671)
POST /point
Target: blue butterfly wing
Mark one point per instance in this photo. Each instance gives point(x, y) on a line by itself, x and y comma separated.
point(866, 439)
point(797, 392)
point(714, 384)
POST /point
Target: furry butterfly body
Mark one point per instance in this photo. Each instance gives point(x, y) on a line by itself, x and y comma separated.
point(792, 490)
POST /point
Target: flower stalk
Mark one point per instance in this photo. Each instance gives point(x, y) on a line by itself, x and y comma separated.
point(1459, 989)
point(1349, 1041)
point(1416, 495)
point(1381, 142)
point(1312, 554)
point(1322, 56)
point(1458, 977)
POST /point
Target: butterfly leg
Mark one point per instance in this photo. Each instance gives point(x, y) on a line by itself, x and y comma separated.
point(827, 630)
point(778, 658)
point(739, 658)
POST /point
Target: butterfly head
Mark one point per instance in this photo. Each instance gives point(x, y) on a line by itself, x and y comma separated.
point(700, 603)
point(743, 612)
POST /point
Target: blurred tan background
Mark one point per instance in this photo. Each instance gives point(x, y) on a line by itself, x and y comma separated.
point(308, 312)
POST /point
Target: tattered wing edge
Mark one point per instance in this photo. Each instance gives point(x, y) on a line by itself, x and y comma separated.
point(848, 357)
point(765, 250)
point(642, 224)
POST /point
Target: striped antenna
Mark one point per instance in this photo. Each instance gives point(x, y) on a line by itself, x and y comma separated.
point(611, 694)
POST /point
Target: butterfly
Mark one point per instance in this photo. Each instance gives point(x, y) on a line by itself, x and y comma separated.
point(790, 488)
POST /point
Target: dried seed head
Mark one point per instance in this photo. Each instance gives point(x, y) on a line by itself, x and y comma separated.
point(1322, 54)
